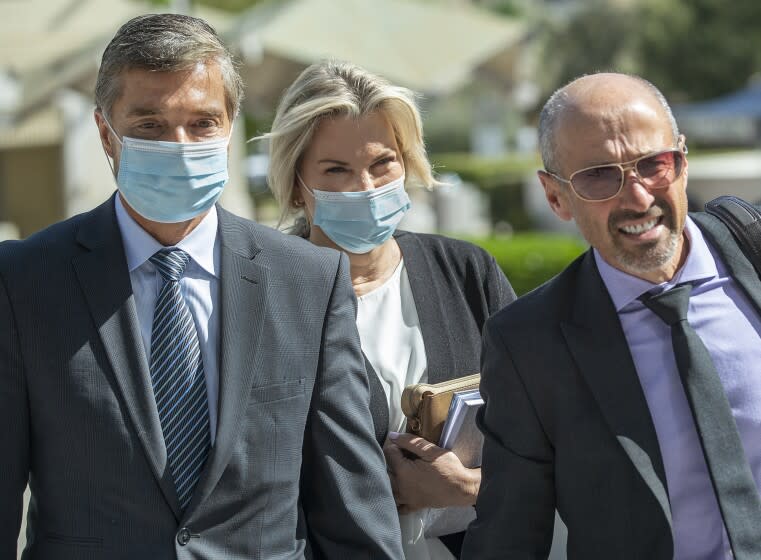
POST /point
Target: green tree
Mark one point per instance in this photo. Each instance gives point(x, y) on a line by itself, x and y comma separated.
point(698, 49)
point(597, 37)
point(691, 49)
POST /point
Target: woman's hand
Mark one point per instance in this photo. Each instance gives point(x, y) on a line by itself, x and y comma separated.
point(434, 478)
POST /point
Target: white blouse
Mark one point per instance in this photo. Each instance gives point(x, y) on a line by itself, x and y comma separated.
point(389, 331)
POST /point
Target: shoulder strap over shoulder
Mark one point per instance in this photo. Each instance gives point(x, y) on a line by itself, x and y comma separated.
point(744, 221)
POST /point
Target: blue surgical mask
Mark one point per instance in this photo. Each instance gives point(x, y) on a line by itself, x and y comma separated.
point(171, 182)
point(359, 221)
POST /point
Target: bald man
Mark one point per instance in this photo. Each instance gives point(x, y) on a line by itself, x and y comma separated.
point(585, 408)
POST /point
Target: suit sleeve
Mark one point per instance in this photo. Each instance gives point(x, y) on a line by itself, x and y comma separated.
point(516, 502)
point(14, 430)
point(498, 290)
point(347, 497)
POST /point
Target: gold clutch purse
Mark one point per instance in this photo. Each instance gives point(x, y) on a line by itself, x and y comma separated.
point(426, 405)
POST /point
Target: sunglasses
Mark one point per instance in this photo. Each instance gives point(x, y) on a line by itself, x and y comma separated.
point(603, 182)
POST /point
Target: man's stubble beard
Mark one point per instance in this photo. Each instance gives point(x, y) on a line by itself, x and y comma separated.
point(647, 257)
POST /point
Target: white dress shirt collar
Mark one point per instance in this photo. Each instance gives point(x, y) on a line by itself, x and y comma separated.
point(139, 245)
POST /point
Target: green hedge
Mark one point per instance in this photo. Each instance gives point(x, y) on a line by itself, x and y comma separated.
point(529, 259)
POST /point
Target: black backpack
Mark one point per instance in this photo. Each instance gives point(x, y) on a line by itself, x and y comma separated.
point(744, 221)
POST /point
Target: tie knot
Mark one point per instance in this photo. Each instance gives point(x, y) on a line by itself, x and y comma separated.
point(170, 263)
point(670, 306)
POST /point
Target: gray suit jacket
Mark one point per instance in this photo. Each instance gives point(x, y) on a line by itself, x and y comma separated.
point(295, 468)
point(567, 425)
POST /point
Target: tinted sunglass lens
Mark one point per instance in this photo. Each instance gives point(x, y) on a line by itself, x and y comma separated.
point(660, 170)
point(597, 183)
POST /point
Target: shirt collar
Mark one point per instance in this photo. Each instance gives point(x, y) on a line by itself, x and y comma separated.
point(625, 288)
point(139, 245)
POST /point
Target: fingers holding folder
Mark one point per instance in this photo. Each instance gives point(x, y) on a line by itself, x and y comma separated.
point(434, 477)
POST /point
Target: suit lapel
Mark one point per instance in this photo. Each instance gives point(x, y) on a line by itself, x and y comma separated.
point(607, 366)
point(243, 289)
point(104, 279)
point(433, 320)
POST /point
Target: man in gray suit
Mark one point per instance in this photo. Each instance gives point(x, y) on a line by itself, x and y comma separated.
point(175, 381)
point(598, 397)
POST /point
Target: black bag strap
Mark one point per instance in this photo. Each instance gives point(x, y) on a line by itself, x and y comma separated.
point(744, 221)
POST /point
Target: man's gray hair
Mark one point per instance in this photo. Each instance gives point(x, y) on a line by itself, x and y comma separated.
point(560, 100)
point(164, 43)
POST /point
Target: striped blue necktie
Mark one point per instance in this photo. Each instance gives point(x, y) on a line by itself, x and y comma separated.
point(179, 385)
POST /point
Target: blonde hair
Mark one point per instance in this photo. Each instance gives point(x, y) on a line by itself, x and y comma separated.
point(331, 89)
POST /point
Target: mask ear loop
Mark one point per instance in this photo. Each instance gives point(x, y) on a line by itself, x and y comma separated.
point(303, 184)
point(109, 159)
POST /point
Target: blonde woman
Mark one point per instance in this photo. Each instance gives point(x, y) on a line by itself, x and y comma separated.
point(344, 145)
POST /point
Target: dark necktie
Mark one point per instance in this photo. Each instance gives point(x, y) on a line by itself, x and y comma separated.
point(730, 472)
point(179, 385)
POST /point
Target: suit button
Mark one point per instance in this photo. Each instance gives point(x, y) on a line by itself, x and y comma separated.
point(183, 536)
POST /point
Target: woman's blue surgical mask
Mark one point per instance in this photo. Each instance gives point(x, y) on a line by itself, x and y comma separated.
point(171, 182)
point(359, 221)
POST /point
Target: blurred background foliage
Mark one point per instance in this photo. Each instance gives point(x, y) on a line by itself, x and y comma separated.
point(691, 49)
point(482, 130)
point(530, 259)
point(226, 5)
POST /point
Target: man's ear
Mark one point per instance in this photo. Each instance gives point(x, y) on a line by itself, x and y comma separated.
point(105, 133)
point(556, 195)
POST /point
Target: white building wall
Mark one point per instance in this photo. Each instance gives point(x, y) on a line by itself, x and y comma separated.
point(87, 179)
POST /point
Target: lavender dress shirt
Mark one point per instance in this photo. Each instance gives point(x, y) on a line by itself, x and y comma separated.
point(730, 327)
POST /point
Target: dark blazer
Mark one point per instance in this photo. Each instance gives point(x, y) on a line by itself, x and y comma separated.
point(77, 416)
point(456, 287)
point(566, 424)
